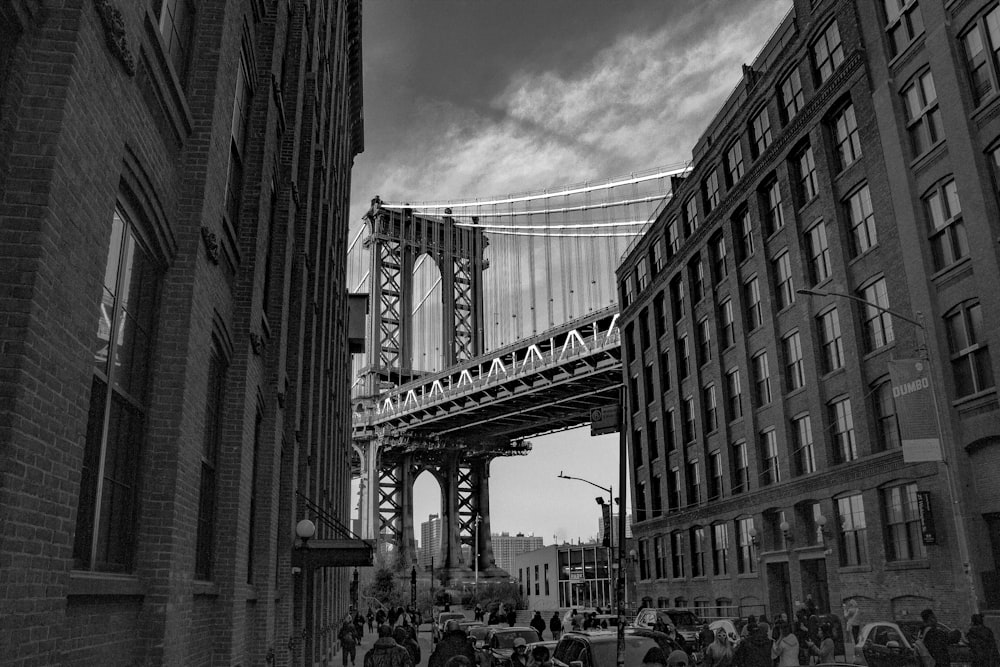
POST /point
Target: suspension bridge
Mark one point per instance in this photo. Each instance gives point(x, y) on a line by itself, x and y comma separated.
point(490, 321)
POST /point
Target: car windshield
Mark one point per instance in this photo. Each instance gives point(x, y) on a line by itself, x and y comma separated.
point(506, 639)
point(683, 618)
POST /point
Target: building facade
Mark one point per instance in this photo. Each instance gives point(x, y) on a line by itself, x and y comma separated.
point(506, 547)
point(174, 182)
point(857, 160)
point(563, 576)
point(430, 541)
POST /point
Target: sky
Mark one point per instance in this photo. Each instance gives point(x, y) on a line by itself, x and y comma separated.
point(471, 98)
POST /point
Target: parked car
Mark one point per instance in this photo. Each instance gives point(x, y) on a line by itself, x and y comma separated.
point(890, 644)
point(599, 648)
point(498, 644)
point(684, 621)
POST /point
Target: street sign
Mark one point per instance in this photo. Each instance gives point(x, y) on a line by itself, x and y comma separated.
point(605, 419)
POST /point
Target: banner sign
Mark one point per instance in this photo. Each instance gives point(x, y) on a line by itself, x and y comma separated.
point(606, 519)
point(927, 533)
point(911, 393)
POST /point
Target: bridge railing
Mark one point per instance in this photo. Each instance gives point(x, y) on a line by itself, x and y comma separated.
point(594, 334)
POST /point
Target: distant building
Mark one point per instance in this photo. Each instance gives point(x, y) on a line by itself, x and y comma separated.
point(430, 541)
point(507, 546)
point(614, 527)
point(564, 576)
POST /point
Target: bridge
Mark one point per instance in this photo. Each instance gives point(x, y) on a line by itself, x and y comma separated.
point(490, 321)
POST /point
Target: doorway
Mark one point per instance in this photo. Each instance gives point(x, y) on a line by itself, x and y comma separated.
point(779, 589)
point(814, 583)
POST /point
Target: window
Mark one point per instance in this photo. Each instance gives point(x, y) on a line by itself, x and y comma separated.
point(677, 298)
point(864, 236)
point(674, 489)
point(105, 522)
point(693, 477)
point(644, 329)
point(698, 551)
point(741, 468)
point(176, 21)
point(805, 454)
point(677, 554)
point(851, 537)
point(683, 356)
point(637, 447)
point(660, 544)
point(688, 423)
point(746, 550)
point(761, 379)
point(845, 131)
point(982, 43)
point(734, 164)
point(665, 370)
point(710, 408)
point(717, 251)
point(795, 375)
point(760, 133)
point(819, 253)
point(769, 455)
point(629, 291)
point(209, 463)
point(790, 92)
point(239, 131)
point(633, 393)
point(770, 197)
point(647, 381)
point(659, 255)
point(652, 451)
point(668, 431)
point(845, 447)
point(828, 53)
point(657, 493)
point(728, 324)
point(948, 241)
point(970, 356)
point(696, 270)
point(710, 191)
point(923, 117)
point(690, 217)
point(743, 235)
point(903, 22)
point(640, 501)
point(878, 323)
point(659, 322)
point(715, 489)
point(734, 394)
point(673, 238)
point(258, 434)
point(902, 524)
point(720, 550)
point(805, 167)
point(831, 341)
point(704, 341)
point(783, 277)
point(885, 417)
point(751, 295)
point(644, 566)
point(641, 274)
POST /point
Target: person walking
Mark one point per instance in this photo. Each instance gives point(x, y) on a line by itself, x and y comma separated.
point(386, 652)
point(511, 617)
point(404, 638)
point(852, 619)
point(555, 625)
point(786, 647)
point(519, 658)
point(755, 649)
point(538, 623)
point(935, 639)
point(823, 650)
point(371, 620)
point(720, 652)
point(348, 640)
point(982, 644)
point(453, 642)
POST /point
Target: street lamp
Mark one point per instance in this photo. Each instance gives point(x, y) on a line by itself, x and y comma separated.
point(475, 558)
point(963, 544)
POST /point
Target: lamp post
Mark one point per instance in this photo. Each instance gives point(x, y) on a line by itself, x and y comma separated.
point(475, 558)
point(960, 534)
point(413, 589)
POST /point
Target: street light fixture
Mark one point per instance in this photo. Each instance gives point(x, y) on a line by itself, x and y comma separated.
point(963, 543)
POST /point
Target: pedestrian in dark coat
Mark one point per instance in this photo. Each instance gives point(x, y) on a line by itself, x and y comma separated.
point(982, 644)
point(755, 650)
point(935, 639)
point(538, 623)
point(512, 618)
point(348, 640)
point(555, 625)
point(453, 642)
point(406, 640)
point(386, 652)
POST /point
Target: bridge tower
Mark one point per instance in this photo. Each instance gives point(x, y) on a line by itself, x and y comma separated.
point(397, 239)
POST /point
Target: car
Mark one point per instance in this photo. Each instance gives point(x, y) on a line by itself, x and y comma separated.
point(890, 644)
point(684, 621)
point(547, 643)
point(498, 644)
point(599, 648)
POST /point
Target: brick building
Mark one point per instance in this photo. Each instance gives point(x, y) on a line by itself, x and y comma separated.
point(856, 159)
point(174, 182)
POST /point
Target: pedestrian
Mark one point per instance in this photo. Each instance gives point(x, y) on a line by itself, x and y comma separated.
point(386, 652)
point(540, 657)
point(852, 619)
point(705, 637)
point(935, 639)
point(371, 620)
point(555, 625)
point(677, 658)
point(786, 647)
point(719, 652)
point(810, 605)
point(359, 625)
point(453, 642)
point(519, 658)
point(511, 617)
point(755, 649)
point(802, 634)
point(411, 630)
point(477, 613)
point(348, 640)
point(380, 617)
point(982, 644)
point(823, 650)
point(405, 639)
point(538, 623)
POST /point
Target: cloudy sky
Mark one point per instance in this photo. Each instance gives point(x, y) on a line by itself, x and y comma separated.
point(470, 98)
